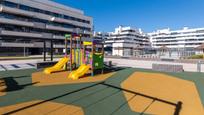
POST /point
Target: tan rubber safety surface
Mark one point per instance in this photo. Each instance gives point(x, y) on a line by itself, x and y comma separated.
point(47, 108)
point(2, 88)
point(164, 87)
point(62, 78)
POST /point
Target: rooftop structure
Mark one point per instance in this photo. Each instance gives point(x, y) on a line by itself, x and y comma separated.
point(181, 42)
point(125, 41)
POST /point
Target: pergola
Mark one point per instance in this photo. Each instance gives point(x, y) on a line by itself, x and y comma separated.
point(201, 47)
point(138, 48)
point(163, 48)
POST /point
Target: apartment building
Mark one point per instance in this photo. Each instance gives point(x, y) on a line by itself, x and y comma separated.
point(26, 24)
point(100, 35)
point(127, 41)
point(177, 43)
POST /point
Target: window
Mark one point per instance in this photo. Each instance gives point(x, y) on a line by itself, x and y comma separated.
point(1, 15)
point(10, 4)
point(66, 17)
point(28, 8)
point(23, 7)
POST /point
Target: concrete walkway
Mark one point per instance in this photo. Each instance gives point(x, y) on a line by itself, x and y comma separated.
point(23, 61)
point(190, 67)
point(19, 64)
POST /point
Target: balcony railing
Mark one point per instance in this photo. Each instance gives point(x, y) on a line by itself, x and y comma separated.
point(58, 37)
point(42, 16)
point(50, 27)
point(16, 22)
point(23, 34)
point(15, 11)
point(8, 44)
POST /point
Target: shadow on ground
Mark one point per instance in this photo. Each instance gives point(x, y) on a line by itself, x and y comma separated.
point(12, 85)
point(105, 98)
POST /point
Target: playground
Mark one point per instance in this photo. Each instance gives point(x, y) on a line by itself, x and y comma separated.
point(81, 84)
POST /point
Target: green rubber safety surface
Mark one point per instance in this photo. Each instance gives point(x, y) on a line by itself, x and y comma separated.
point(95, 98)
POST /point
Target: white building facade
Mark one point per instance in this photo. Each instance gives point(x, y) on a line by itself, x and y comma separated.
point(126, 41)
point(179, 43)
point(100, 35)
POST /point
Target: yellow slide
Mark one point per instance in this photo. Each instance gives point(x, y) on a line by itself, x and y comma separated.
point(79, 72)
point(57, 67)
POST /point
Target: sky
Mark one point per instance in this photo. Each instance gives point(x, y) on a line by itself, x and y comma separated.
point(149, 15)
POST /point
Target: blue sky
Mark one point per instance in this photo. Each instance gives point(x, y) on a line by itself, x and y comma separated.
point(146, 14)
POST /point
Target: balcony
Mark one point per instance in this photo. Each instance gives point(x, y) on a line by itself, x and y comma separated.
point(88, 32)
point(24, 13)
point(16, 22)
point(59, 46)
point(71, 22)
point(42, 16)
point(39, 25)
point(55, 19)
point(50, 27)
point(47, 35)
point(22, 34)
point(15, 11)
point(58, 37)
point(82, 24)
point(8, 44)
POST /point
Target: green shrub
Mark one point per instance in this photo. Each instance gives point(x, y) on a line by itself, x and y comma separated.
point(200, 56)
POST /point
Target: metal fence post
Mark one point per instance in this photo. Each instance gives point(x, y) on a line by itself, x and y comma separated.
point(199, 66)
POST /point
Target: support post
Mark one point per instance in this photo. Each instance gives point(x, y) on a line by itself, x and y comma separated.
point(44, 50)
point(24, 49)
point(92, 59)
point(102, 71)
point(203, 53)
point(66, 52)
point(65, 46)
point(80, 47)
point(74, 51)
point(77, 50)
point(67, 36)
point(51, 50)
point(84, 55)
point(70, 53)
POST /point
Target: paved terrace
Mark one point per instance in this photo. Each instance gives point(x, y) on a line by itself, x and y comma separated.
point(136, 63)
point(147, 64)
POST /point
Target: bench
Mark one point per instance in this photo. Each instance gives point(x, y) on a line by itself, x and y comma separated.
point(167, 59)
point(167, 68)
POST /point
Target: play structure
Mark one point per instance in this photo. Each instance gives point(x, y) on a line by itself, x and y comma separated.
point(57, 67)
point(85, 56)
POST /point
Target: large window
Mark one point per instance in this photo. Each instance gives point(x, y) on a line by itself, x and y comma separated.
point(9, 4)
point(23, 7)
point(28, 8)
point(29, 19)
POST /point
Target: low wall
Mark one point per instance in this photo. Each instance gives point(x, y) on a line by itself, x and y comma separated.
point(167, 68)
point(147, 64)
point(40, 65)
